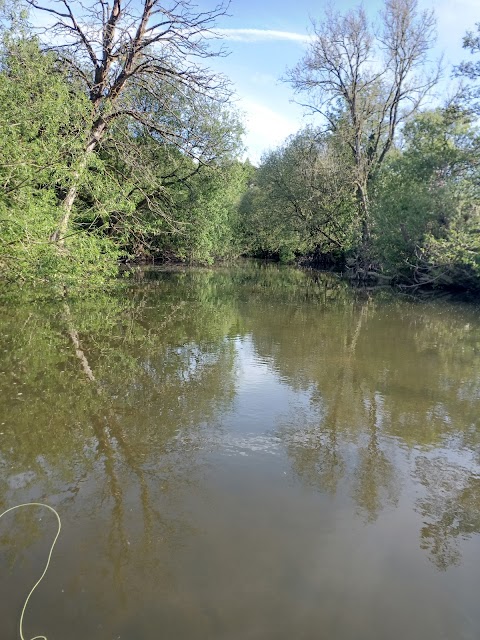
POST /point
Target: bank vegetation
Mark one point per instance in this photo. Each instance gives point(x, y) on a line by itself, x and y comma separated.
point(119, 144)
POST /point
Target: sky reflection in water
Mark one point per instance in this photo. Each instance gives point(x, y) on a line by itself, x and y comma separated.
point(263, 454)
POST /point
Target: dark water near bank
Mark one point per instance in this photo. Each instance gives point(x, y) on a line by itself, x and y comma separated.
point(263, 454)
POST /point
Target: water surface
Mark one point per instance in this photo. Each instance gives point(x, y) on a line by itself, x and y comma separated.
point(262, 453)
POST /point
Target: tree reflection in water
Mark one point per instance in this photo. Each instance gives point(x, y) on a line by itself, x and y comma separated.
point(110, 451)
point(386, 378)
point(391, 389)
point(450, 506)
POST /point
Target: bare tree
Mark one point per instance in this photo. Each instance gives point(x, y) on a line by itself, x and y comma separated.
point(470, 70)
point(366, 80)
point(135, 60)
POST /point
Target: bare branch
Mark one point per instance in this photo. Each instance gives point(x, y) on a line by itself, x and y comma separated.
point(365, 83)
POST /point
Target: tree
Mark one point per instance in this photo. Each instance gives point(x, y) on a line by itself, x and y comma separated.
point(471, 70)
point(136, 61)
point(426, 213)
point(43, 118)
point(199, 221)
point(211, 212)
point(146, 194)
point(365, 81)
point(303, 200)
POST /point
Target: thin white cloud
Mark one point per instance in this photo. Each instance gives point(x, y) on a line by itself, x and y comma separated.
point(262, 35)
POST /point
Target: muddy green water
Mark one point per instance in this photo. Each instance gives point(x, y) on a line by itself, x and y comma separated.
point(263, 454)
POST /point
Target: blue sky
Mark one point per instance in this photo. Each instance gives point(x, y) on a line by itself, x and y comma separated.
point(265, 37)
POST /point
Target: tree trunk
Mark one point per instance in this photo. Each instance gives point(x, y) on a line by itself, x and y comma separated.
point(96, 134)
point(364, 213)
point(363, 258)
point(58, 236)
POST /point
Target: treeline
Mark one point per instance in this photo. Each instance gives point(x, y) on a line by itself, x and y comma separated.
point(424, 206)
point(118, 144)
point(386, 189)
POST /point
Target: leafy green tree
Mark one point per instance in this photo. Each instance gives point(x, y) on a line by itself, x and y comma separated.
point(137, 62)
point(148, 185)
point(302, 201)
point(210, 209)
point(43, 116)
point(154, 200)
point(427, 204)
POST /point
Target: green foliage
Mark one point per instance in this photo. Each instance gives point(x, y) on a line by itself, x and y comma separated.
point(209, 212)
point(41, 136)
point(153, 199)
point(157, 204)
point(143, 195)
point(138, 194)
point(427, 202)
point(301, 200)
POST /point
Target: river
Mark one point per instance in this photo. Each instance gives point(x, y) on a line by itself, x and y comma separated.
point(241, 453)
